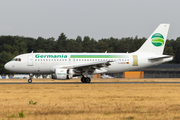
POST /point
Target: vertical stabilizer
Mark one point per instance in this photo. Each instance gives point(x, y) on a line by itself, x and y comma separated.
point(156, 42)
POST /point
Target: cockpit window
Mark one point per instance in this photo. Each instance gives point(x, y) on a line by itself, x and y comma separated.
point(13, 60)
point(16, 59)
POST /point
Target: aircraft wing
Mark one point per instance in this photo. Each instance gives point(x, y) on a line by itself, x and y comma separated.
point(94, 64)
point(93, 67)
point(90, 67)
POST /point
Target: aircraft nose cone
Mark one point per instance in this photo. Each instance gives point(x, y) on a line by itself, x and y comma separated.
point(7, 66)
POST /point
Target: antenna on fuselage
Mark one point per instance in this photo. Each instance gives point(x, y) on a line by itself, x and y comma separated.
point(32, 52)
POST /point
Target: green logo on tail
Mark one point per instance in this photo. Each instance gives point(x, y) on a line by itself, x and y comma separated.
point(157, 40)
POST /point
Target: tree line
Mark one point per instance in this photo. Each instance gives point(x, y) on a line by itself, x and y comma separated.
point(11, 46)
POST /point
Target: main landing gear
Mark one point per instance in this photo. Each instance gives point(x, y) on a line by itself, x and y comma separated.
point(85, 79)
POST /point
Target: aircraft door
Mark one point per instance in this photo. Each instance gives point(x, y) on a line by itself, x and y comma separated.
point(30, 60)
point(135, 60)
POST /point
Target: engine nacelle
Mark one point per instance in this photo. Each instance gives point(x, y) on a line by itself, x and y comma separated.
point(62, 74)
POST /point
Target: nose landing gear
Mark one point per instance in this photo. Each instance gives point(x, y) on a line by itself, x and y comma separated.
point(30, 78)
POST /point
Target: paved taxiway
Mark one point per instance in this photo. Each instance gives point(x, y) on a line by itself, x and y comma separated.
point(90, 83)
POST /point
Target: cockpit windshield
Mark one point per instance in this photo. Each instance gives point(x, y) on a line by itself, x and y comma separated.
point(16, 59)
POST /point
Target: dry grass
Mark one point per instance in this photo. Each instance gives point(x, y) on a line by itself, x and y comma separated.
point(90, 101)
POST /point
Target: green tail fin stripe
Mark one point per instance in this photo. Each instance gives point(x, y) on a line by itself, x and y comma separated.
point(158, 40)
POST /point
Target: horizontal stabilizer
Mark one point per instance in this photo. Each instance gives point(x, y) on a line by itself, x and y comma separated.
point(160, 57)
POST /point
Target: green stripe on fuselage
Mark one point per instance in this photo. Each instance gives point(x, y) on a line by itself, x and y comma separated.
point(99, 56)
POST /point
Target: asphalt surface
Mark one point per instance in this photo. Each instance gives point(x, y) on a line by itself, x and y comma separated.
point(90, 83)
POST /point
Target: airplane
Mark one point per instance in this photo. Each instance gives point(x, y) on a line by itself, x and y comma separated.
point(64, 66)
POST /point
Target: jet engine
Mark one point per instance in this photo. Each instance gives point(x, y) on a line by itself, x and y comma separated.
point(62, 74)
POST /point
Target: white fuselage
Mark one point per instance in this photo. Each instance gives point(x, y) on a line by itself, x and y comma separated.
point(43, 62)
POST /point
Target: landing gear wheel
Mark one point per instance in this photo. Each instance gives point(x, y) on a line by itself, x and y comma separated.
point(30, 77)
point(29, 81)
point(83, 79)
point(88, 80)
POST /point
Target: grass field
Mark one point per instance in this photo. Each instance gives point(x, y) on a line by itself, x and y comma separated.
point(90, 101)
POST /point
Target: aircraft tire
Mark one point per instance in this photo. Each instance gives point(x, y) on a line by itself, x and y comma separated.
point(88, 80)
point(29, 81)
point(83, 80)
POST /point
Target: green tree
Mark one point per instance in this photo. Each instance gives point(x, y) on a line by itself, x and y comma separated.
point(4, 58)
point(49, 45)
point(102, 45)
point(61, 43)
point(40, 44)
point(86, 44)
point(79, 44)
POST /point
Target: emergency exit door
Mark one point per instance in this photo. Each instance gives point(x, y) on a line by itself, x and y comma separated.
point(30, 60)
